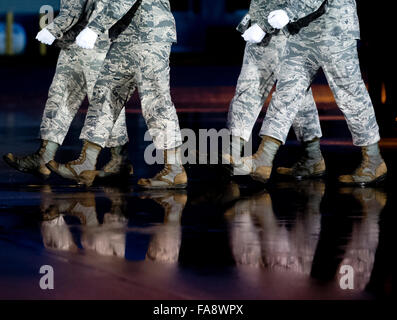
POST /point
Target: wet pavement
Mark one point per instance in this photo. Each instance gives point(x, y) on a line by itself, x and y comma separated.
point(219, 239)
point(288, 242)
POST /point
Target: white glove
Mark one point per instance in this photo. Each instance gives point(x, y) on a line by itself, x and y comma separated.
point(86, 39)
point(44, 36)
point(278, 19)
point(254, 34)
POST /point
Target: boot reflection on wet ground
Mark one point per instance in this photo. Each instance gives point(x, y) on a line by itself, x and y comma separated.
point(288, 242)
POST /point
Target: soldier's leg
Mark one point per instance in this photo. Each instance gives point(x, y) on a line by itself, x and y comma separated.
point(306, 124)
point(119, 133)
point(66, 94)
point(67, 91)
point(113, 88)
point(119, 164)
point(254, 84)
point(154, 91)
point(308, 131)
point(342, 69)
point(160, 114)
point(296, 73)
point(117, 73)
point(257, 78)
point(295, 76)
point(94, 63)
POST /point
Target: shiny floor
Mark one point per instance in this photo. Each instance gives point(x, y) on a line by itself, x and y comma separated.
point(219, 239)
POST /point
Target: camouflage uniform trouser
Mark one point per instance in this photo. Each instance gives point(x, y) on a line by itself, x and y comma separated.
point(339, 61)
point(128, 66)
point(256, 80)
point(75, 76)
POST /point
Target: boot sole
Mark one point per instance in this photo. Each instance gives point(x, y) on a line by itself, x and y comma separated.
point(174, 187)
point(259, 178)
point(88, 177)
point(49, 166)
point(375, 182)
point(32, 172)
point(308, 177)
point(128, 172)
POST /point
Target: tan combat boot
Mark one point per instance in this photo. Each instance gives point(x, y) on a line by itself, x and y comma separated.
point(81, 170)
point(233, 156)
point(310, 165)
point(259, 165)
point(118, 165)
point(34, 163)
point(371, 171)
point(173, 175)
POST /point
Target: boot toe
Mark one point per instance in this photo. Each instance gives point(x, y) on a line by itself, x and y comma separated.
point(87, 177)
point(144, 182)
point(262, 174)
point(130, 169)
point(62, 170)
point(284, 171)
point(346, 179)
point(9, 157)
point(11, 160)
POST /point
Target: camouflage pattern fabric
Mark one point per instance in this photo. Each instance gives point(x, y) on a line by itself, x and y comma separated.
point(296, 10)
point(257, 78)
point(340, 21)
point(73, 17)
point(71, 12)
point(259, 11)
point(328, 43)
point(152, 21)
point(129, 66)
point(75, 76)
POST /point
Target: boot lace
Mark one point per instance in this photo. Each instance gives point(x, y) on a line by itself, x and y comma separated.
point(81, 157)
point(365, 163)
point(165, 171)
point(257, 154)
point(115, 161)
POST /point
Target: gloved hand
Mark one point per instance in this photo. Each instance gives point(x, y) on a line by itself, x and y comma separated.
point(44, 36)
point(86, 39)
point(278, 19)
point(254, 34)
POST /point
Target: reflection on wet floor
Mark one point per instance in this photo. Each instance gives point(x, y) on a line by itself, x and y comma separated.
point(296, 233)
point(218, 240)
point(260, 239)
point(109, 237)
point(307, 242)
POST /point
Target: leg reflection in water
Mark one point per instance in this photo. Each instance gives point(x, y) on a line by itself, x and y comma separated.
point(259, 238)
point(166, 241)
point(360, 251)
point(54, 230)
point(349, 235)
point(107, 239)
point(285, 231)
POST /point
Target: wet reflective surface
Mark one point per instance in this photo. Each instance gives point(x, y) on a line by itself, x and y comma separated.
point(232, 241)
point(219, 239)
